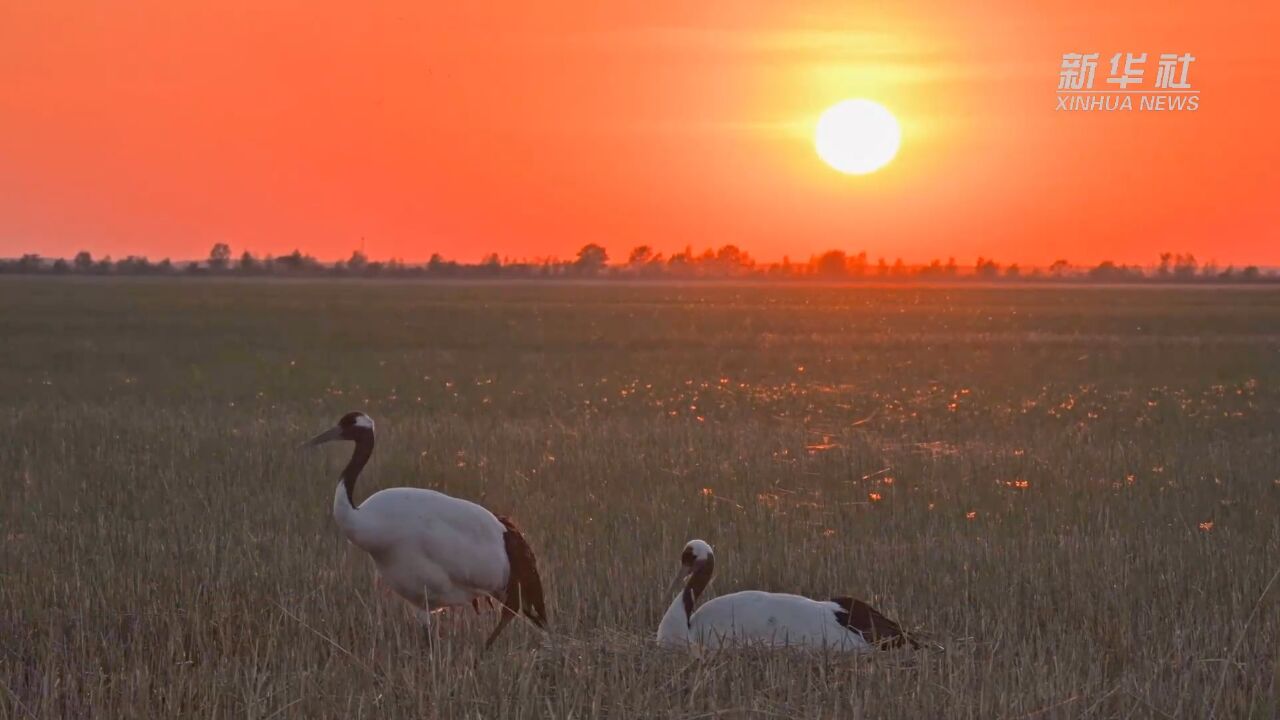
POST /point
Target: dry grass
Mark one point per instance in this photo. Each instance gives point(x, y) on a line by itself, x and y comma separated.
point(1077, 491)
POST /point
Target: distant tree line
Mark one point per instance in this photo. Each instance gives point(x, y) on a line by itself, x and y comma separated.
point(643, 262)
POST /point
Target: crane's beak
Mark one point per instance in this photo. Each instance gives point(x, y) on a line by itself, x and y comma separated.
point(333, 433)
point(678, 581)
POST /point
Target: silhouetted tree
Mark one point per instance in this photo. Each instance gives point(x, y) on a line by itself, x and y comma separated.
point(640, 255)
point(832, 264)
point(933, 269)
point(1106, 270)
point(857, 264)
point(83, 261)
point(219, 256)
point(730, 255)
point(592, 259)
point(986, 269)
point(730, 260)
point(1184, 267)
point(297, 262)
point(681, 264)
point(705, 264)
point(133, 265)
point(248, 263)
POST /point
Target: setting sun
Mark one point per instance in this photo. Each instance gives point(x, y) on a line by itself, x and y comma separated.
point(857, 136)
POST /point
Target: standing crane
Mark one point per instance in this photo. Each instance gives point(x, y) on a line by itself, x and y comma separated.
point(434, 550)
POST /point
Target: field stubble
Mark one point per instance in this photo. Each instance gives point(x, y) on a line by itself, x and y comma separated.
point(1077, 491)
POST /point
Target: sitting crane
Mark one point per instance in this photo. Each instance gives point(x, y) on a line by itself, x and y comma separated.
point(757, 618)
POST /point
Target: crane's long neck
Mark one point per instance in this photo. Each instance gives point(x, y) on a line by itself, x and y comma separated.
point(673, 631)
point(344, 503)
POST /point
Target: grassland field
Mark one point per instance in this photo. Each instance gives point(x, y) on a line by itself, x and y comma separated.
point(1076, 491)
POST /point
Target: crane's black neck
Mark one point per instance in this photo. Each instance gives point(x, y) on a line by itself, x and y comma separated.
point(697, 582)
point(360, 456)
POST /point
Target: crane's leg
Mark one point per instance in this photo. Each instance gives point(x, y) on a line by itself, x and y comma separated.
point(507, 614)
point(424, 617)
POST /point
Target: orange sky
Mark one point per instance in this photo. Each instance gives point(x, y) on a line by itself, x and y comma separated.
point(158, 127)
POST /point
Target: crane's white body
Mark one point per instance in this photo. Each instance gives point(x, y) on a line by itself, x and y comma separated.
point(757, 618)
point(433, 550)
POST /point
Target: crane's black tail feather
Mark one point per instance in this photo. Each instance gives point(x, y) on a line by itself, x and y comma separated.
point(524, 588)
point(875, 628)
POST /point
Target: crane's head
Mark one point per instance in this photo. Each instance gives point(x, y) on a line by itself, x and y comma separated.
point(352, 426)
point(696, 564)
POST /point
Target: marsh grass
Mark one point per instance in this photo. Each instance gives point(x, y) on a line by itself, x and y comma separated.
point(1076, 491)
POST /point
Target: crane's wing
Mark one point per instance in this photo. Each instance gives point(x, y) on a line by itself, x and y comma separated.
point(460, 538)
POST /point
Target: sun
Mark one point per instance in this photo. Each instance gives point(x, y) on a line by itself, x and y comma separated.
point(857, 136)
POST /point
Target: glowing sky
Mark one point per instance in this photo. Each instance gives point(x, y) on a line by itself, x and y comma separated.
point(528, 129)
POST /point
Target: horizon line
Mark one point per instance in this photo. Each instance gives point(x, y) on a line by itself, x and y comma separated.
point(664, 259)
